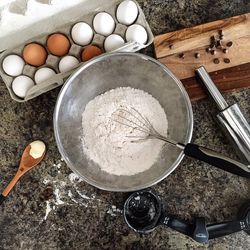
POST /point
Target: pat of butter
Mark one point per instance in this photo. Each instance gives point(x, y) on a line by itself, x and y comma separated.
point(37, 149)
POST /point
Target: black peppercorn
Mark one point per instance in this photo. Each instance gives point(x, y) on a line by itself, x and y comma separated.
point(216, 60)
point(197, 55)
point(181, 55)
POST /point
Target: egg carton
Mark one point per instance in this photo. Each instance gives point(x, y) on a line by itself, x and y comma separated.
point(52, 61)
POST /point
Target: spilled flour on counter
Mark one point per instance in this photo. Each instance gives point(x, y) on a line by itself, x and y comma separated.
point(114, 210)
point(68, 190)
point(48, 210)
point(107, 142)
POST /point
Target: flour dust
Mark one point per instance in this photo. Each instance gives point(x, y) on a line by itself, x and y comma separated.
point(109, 143)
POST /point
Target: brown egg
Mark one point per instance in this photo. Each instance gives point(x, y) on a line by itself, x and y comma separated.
point(34, 54)
point(58, 44)
point(90, 52)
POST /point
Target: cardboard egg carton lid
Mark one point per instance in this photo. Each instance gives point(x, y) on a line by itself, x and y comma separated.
point(21, 20)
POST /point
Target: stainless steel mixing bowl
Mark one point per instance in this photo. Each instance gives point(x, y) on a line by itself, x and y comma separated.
point(119, 70)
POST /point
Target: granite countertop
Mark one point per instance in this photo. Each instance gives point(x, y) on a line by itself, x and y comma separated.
point(51, 208)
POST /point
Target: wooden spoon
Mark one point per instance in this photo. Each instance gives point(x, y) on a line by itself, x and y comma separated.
point(32, 156)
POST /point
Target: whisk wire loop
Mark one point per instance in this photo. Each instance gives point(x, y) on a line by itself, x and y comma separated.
point(140, 123)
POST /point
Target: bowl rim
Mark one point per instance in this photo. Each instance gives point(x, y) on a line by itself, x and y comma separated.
point(90, 63)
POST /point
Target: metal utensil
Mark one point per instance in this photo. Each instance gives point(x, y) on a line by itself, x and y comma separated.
point(27, 163)
point(143, 212)
point(132, 118)
point(231, 119)
point(107, 72)
point(102, 74)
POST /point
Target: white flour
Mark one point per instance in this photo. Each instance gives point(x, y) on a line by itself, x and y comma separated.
point(106, 141)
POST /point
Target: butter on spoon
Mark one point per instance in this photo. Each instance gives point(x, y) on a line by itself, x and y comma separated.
point(37, 149)
point(32, 156)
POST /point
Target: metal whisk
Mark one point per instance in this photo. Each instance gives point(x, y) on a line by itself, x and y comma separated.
point(132, 118)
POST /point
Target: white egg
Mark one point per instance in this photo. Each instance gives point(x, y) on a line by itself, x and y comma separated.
point(127, 12)
point(43, 74)
point(82, 33)
point(21, 85)
point(104, 23)
point(136, 33)
point(113, 42)
point(13, 65)
point(67, 63)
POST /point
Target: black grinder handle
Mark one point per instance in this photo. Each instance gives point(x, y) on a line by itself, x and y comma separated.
point(197, 231)
point(217, 160)
point(180, 226)
point(225, 228)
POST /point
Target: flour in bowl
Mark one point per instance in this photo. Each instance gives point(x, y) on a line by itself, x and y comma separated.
point(111, 144)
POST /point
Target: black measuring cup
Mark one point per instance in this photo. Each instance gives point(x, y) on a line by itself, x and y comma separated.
point(143, 212)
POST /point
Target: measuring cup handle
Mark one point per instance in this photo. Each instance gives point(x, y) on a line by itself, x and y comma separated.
point(217, 160)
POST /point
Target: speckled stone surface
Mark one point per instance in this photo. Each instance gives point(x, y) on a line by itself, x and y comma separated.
point(51, 209)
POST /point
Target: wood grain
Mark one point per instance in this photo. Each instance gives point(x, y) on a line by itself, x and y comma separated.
point(228, 76)
point(238, 54)
point(227, 80)
point(199, 36)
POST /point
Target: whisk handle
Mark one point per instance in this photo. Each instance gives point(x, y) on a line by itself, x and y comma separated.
point(217, 160)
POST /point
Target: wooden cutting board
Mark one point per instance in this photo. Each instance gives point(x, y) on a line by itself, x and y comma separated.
point(227, 76)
